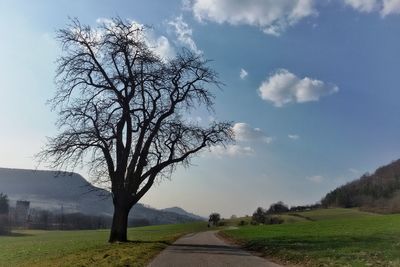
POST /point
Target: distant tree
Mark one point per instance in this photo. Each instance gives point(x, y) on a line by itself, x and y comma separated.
point(242, 223)
point(123, 111)
point(374, 192)
point(259, 216)
point(214, 218)
point(44, 219)
point(4, 204)
point(4, 209)
point(278, 207)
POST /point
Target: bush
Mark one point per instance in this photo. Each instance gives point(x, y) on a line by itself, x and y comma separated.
point(242, 223)
point(278, 207)
point(4, 206)
point(4, 224)
point(259, 216)
point(214, 218)
point(275, 220)
point(254, 222)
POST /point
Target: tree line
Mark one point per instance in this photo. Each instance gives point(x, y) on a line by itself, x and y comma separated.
point(52, 220)
point(379, 191)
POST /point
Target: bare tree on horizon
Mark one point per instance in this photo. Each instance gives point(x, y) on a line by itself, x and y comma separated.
point(122, 108)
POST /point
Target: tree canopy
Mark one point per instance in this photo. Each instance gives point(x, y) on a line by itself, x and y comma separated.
point(4, 205)
point(123, 110)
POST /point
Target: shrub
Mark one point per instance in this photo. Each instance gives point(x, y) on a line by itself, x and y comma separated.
point(275, 220)
point(259, 216)
point(214, 218)
point(254, 222)
point(4, 206)
point(242, 223)
point(278, 207)
point(4, 224)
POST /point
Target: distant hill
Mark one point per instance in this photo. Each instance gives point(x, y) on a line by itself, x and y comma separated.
point(181, 211)
point(72, 193)
point(379, 191)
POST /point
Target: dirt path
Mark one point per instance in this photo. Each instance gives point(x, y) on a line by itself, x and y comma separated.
point(206, 249)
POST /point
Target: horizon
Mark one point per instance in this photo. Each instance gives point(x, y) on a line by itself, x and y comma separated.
point(311, 88)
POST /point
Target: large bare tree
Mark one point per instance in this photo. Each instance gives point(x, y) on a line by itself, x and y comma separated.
point(123, 110)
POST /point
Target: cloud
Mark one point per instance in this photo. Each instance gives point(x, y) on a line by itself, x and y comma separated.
point(384, 7)
point(160, 45)
point(316, 179)
point(271, 16)
point(184, 34)
point(245, 133)
point(293, 136)
point(363, 5)
point(163, 47)
point(243, 74)
point(284, 87)
point(390, 7)
point(232, 151)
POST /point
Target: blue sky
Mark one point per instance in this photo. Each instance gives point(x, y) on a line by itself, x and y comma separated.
point(317, 103)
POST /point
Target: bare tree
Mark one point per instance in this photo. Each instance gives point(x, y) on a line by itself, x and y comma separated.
point(122, 111)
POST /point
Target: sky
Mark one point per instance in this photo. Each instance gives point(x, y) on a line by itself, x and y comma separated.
point(312, 87)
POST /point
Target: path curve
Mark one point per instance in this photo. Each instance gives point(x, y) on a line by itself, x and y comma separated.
point(205, 249)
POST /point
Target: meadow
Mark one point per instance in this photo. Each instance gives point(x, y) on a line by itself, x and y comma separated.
point(326, 237)
point(89, 248)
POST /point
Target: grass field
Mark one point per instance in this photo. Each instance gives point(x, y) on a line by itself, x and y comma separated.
point(88, 248)
point(330, 237)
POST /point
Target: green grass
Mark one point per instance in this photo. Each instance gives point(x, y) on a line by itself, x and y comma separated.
point(337, 237)
point(333, 214)
point(287, 218)
point(89, 248)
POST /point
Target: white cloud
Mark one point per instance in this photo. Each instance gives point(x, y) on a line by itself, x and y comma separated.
point(163, 47)
point(293, 136)
point(243, 132)
point(284, 87)
point(160, 45)
point(272, 16)
point(316, 179)
point(385, 7)
point(363, 5)
point(184, 34)
point(232, 151)
point(243, 74)
point(390, 7)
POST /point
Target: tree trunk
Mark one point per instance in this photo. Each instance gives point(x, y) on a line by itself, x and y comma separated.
point(119, 224)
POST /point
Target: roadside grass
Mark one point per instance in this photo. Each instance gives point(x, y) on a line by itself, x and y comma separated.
point(89, 248)
point(338, 237)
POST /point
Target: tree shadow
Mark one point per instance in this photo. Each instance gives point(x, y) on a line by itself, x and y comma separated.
point(312, 243)
point(208, 249)
point(14, 234)
point(148, 242)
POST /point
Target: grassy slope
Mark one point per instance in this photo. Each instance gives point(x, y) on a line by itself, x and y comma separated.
point(88, 248)
point(286, 219)
point(338, 237)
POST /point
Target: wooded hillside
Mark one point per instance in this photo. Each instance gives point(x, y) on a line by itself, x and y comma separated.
point(379, 191)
